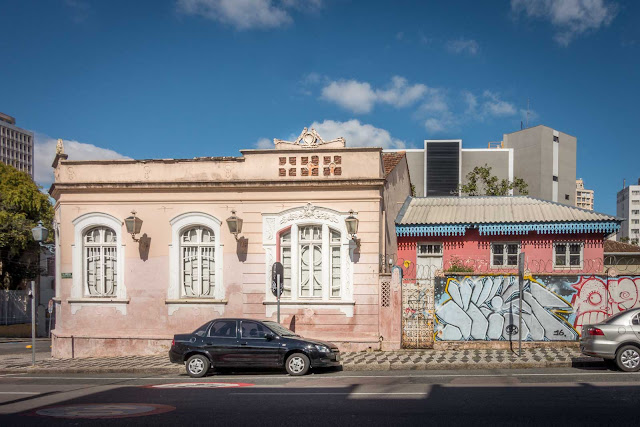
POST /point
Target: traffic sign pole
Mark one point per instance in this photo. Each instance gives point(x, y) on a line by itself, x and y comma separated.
point(278, 282)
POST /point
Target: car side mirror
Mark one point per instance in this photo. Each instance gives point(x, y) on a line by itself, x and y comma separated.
point(270, 337)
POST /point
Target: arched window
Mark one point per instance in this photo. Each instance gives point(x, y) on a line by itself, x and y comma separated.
point(198, 264)
point(100, 261)
point(313, 247)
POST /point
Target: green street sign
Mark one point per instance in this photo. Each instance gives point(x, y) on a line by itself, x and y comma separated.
point(66, 275)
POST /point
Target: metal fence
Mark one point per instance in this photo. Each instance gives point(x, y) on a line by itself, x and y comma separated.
point(15, 307)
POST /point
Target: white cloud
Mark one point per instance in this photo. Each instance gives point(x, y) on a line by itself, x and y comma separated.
point(351, 94)
point(264, 143)
point(571, 17)
point(45, 152)
point(357, 134)
point(488, 106)
point(400, 93)
point(461, 45)
point(496, 107)
point(360, 97)
point(247, 14)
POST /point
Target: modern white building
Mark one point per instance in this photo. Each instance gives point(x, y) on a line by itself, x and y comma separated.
point(543, 157)
point(16, 145)
point(628, 208)
point(584, 197)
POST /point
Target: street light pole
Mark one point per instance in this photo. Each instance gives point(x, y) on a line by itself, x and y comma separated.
point(33, 322)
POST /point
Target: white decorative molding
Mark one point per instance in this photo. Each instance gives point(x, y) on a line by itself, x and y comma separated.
point(119, 304)
point(269, 229)
point(308, 212)
point(305, 215)
point(201, 303)
point(346, 307)
point(310, 139)
point(178, 224)
point(78, 290)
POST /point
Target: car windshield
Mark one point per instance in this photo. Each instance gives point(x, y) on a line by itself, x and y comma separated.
point(615, 317)
point(279, 329)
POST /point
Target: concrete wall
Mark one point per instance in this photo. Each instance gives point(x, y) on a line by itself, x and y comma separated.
point(554, 308)
point(415, 162)
point(497, 159)
point(396, 190)
point(534, 162)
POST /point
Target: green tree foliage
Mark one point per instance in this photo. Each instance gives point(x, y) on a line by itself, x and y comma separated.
point(480, 182)
point(22, 205)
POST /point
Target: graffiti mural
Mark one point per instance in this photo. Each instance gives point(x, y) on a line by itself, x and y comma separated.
point(554, 308)
point(597, 298)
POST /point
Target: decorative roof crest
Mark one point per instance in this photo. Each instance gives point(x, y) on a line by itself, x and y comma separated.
point(309, 139)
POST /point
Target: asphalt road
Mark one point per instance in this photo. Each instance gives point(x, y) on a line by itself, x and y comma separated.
point(501, 397)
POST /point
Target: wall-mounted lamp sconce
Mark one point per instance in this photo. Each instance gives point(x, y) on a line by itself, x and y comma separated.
point(352, 224)
point(134, 224)
point(40, 234)
point(235, 224)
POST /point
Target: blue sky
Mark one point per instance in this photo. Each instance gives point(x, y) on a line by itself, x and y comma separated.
point(186, 78)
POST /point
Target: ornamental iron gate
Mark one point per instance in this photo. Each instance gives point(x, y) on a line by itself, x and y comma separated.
point(418, 298)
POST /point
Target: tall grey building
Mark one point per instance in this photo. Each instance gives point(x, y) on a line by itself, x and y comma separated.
point(546, 159)
point(543, 157)
point(628, 207)
point(16, 145)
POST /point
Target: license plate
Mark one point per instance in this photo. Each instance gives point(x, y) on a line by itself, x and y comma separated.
point(337, 357)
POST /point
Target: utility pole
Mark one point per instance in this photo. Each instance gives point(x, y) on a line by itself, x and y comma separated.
point(32, 295)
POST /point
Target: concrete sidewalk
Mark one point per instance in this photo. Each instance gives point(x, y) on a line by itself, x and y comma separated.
point(354, 361)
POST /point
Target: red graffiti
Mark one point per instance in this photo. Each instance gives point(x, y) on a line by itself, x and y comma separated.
point(598, 298)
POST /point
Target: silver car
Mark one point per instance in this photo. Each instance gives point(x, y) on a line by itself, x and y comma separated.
point(616, 340)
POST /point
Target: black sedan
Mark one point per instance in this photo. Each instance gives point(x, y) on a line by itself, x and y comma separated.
point(243, 343)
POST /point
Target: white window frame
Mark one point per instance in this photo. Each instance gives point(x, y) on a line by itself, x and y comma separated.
point(505, 255)
point(179, 224)
point(430, 254)
point(326, 274)
point(104, 249)
point(199, 247)
point(80, 296)
point(276, 223)
point(568, 266)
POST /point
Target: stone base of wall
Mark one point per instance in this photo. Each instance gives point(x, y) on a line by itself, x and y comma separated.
point(500, 345)
point(65, 347)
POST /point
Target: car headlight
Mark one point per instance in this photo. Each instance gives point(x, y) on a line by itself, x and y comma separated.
point(323, 349)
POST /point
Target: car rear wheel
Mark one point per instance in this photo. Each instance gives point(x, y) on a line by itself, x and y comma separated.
point(297, 364)
point(198, 366)
point(628, 358)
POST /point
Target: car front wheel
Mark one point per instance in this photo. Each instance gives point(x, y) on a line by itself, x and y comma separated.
point(628, 358)
point(297, 364)
point(198, 366)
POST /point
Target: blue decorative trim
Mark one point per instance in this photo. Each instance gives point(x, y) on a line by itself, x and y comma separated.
point(550, 228)
point(508, 229)
point(432, 230)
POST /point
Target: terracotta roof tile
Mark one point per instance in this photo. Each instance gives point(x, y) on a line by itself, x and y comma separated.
point(391, 160)
point(611, 246)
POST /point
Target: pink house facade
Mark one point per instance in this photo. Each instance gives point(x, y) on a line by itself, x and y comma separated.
point(460, 258)
point(123, 294)
point(486, 235)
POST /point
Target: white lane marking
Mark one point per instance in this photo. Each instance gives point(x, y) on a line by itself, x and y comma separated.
point(218, 378)
point(18, 392)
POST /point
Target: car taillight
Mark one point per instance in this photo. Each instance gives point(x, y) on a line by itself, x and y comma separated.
point(595, 331)
point(173, 342)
